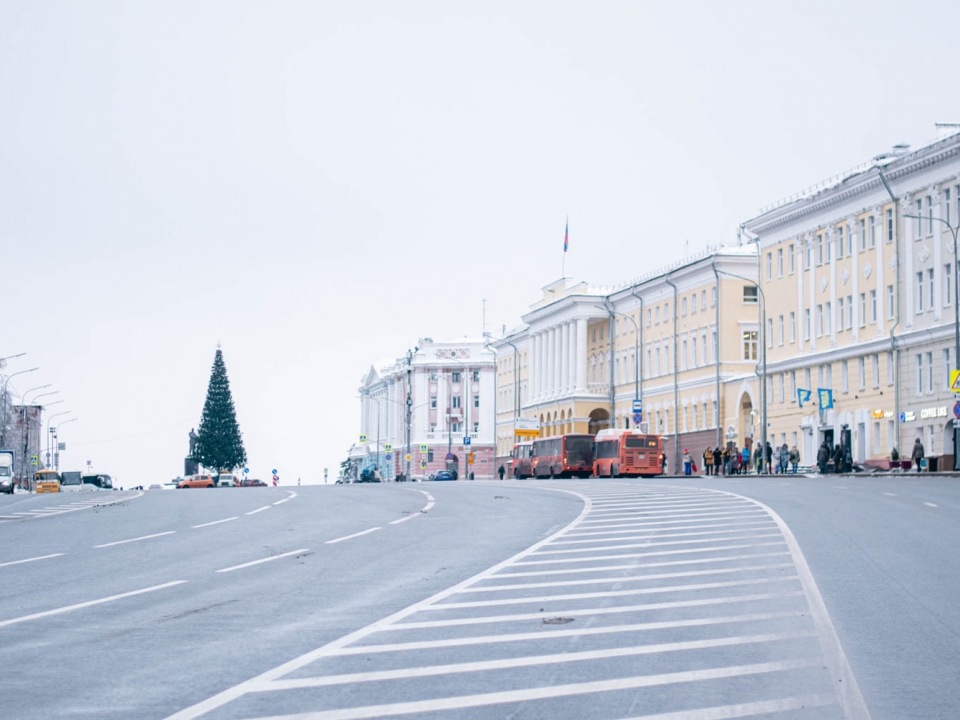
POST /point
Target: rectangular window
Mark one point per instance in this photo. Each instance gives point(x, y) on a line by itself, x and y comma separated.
point(683, 306)
point(850, 241)
point(820, 320)
point(476, 376)
point(930, 381)
point(891, 302)
point(840, 307)
point(806, 324)
point(863, 234)
point(713, 346)
point(782, 391)
point(863, 309)
point(683, 354)
point(919, 373)
point(769, 266)
point(828, 250)
point(890, 368)
point(713, 297)
point(476, 427)
point(828, 318)
point(780, 330)
point(779, 262)
point(946, 202)
point(649, 317)
point(806, 379)
point(889, 226)
point(839, 244)
point(946, 368)
point(693, 304)
point(808, 256)
point(455, 376)
point(456, 401)
point(873, 231)
point(875, 366)
point(476, 401)
point(828, 374)
point(656, 316)
point(947, 284)
point(917, 221)
point(819, 250)
point(790, 258)
point(769, 332)
point(919, 292)
point(873, 307)
point(929, 215)
point(455, 427)
point(844, 379)
point(749, 345)
point(750, 294)
point(793, 326)
point(433, 401)
point(930, 279)
point(861, 373)
point(793, 384)
point(693, 350)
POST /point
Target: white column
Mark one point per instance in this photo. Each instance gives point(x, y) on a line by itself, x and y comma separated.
point(547, 359)
point(813, 296)
point(535, 367)
point(552, 370)
point(906, 203)
point(854, 227)
point(558, 369)
point(831, 236)
point(937, 250)
point(879, 233)
point(442, 403)
point(571, 379)
point(802, 243)
point(564, 357)
point(581, 355)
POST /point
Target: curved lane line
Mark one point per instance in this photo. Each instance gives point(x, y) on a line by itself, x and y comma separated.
point(350, 537)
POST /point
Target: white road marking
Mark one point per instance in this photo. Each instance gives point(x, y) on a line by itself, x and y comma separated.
point(19, 562)
point(654, 544)
point(676, 517)
point(890, 494)
point(653, 554)
point(547, 692)
point(616, 609)
point(403, 519)
point(740, 710)
point(89, 603)
point(610, 593)
point(685, 534)
point(638, 566)
point(930, 504)
point(507, 663)
point(281, 502)
point(254, 512)
point(136, 539)
point(572, 632)
point(350, 537)
point(263, 560)
point(216, 522)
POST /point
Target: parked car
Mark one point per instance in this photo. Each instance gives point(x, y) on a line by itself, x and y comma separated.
point(196, 481)
point(252, 482)
point(227, 480)
point(155, 486)
point(444, 475)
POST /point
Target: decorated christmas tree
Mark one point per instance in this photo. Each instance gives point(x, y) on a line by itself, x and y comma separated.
point(219, 442)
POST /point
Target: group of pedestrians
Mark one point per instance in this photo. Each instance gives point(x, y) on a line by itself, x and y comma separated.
point(740, 461)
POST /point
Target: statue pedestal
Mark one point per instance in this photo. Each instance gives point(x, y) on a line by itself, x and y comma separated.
point(190, 467)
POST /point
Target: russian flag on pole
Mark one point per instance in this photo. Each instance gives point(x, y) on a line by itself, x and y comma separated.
point(566, 236)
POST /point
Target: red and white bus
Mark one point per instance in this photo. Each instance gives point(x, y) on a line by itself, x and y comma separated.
point(622, 453)
point(563, 456)
point(522, 462)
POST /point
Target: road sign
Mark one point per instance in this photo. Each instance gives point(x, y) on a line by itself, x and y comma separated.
point(471, 457)
point(408, 457)
point(276, 479)
point(61, 446)
point(388, 457)
point(637, 418)
point(423, 464)
point(955, 381)
point(637, 406)
point(526, 427)
point(423, 448)
point(956, 410)
point(449, 456)
point(246, 471)
point(363, 438)
point(273, 472)
point(466, 439)
point(34, 460)
point(387, 447)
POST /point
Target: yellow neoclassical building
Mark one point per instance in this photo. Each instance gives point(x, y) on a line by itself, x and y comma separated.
point(683, 340)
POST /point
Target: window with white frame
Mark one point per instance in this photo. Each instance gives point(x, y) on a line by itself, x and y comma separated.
point(703, 347)
point(863, 309)
point(779, 262)
point(769, 266)
point(828, 374)
point(891, 302)
point(929, 215)
point(782, 384)
point(850, 311)
point(919, 292)
point(806, 379)
point(683, 354)
point(683, 306)
point(863, 234)
point(713, 297)
point(930, 276)
point(780, 330)
point(703, 299)
point(844, 379)
point(919, 359)
point(930, 381)
point(819, 320)
point(433, 401)
point(806, 323)
point(828, 249)
point(946, 368)
point(769, 332)
point(828, 317)
point(649, 317)
point(750, 294)
point(872, 231)
point(840, 317)
point(948, 284)
point(819, 250)
point(693, 304)
point(693, 349)
point(889, 216)
point(793, 384)
point(875, 366)
point(791, 260)
point(890, 369)
point(808, 256)
point(793, 326)
point(873, 307)
point(839, 244)
point(861, 373)
point(476, 401)
point(713, 346)
point(455, 402)
point(749, 345)
point(946, 204)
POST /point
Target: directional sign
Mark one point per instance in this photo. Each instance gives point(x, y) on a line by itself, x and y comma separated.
point(466, 439)
point(387, 447)
point(246, 471)
point(423, 448)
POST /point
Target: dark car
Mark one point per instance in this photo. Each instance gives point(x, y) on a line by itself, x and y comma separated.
point(252, 483)
point(444, 475)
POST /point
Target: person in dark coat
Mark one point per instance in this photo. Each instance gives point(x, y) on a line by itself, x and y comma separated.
point(847, 459)
point(823, 455)
point(768, 456)
point(501, 471)
point(717, 460)
point(917, 454)
point(838, 458)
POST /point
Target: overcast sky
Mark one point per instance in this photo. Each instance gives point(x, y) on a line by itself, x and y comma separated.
point(318, 184)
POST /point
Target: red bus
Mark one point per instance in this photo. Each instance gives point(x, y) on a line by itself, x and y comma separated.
point(621, 453)
point(522, 464)
point(563, 456)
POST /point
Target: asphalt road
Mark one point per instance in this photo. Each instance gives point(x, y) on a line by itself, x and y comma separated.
point(562, 599)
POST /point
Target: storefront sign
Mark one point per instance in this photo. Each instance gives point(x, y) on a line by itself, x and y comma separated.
point(878, 413)
point(933, 412)
point(908, 416)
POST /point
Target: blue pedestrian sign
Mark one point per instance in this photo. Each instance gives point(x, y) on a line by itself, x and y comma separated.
point(246, 471)
point(466, 439)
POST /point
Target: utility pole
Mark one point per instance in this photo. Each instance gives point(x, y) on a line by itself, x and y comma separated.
point(409, 406)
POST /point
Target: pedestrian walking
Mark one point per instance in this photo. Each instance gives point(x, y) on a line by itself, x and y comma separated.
point(784, 458)
point(727, 469)
point(708, 460)
point(501, 471)
point(917, 454)
point(717, 460)
point(838, 459)
point(745, 460)
point(758, 458)
point(687, 462)
point(823, 456)
point(794, 458)
point(768, 457)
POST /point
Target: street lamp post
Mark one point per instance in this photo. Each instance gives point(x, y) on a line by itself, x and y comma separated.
point(3, 401)
point(56, 435)
point(636, 349)
point(49, 419)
